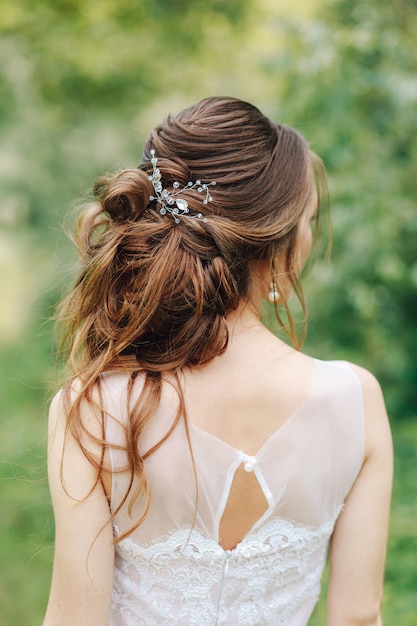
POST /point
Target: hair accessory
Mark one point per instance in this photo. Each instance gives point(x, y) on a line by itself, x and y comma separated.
point(273, 293)
point(169, 202)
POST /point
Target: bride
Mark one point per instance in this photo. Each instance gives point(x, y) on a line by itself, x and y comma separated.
point(199, 466)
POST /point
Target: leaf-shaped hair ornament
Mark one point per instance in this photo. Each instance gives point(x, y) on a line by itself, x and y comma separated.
point(170, 201)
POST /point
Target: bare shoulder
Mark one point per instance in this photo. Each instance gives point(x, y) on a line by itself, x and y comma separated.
point(377, 428)
point(88, 411)
point(368, 381)
point(56, 419)
point(371, 389)
point(75, 430)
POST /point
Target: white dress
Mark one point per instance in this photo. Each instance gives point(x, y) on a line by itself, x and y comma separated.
point(172, 571)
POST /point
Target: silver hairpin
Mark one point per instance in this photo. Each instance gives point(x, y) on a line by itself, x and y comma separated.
point(169, 202)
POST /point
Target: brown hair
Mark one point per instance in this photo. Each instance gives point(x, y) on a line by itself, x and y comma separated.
point(153, 295)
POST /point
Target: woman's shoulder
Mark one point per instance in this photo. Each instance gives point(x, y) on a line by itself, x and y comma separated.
point(85, 404)
point(377, 429)
point(378, 432)
point(369, 384)
point(341, 378)
point(368, 381)
point(114, 380)
point(69, 401)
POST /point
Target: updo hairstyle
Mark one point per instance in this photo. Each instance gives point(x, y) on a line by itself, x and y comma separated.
point(160, 291)
point(153, 295)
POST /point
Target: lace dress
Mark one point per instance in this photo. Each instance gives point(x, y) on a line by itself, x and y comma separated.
point(172, 571)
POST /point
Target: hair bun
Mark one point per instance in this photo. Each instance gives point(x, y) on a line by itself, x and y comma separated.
point(124, 196)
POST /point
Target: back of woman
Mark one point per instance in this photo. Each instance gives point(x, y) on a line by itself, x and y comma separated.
point(199, 465)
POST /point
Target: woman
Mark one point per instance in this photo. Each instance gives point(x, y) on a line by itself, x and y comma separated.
point(199, 465)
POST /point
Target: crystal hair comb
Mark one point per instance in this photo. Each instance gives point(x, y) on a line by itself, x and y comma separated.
point(170, 202)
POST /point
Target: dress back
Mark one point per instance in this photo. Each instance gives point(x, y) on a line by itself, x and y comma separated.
point(172, 571)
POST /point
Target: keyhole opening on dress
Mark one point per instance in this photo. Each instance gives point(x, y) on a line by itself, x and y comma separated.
point(244, 507)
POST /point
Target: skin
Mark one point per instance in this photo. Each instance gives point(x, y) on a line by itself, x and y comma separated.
point(84, 553)
point(258, 373)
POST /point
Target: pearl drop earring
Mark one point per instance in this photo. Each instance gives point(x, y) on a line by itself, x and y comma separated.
point(273, 293)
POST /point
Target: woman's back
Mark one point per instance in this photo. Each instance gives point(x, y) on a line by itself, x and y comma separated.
point(271, 473)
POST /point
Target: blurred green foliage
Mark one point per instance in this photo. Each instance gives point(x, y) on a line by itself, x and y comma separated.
point(81, 83)
point(358, 91)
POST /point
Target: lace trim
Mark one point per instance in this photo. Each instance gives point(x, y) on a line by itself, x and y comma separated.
point(186, 578)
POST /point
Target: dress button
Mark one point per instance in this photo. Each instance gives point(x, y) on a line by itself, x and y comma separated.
point(250, 464)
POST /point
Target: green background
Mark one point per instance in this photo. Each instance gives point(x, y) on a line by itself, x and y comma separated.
point(82, 82)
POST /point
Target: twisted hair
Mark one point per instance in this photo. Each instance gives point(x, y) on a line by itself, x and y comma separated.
point(153, 295)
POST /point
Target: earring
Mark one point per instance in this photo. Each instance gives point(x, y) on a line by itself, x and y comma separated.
point(273, 293)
